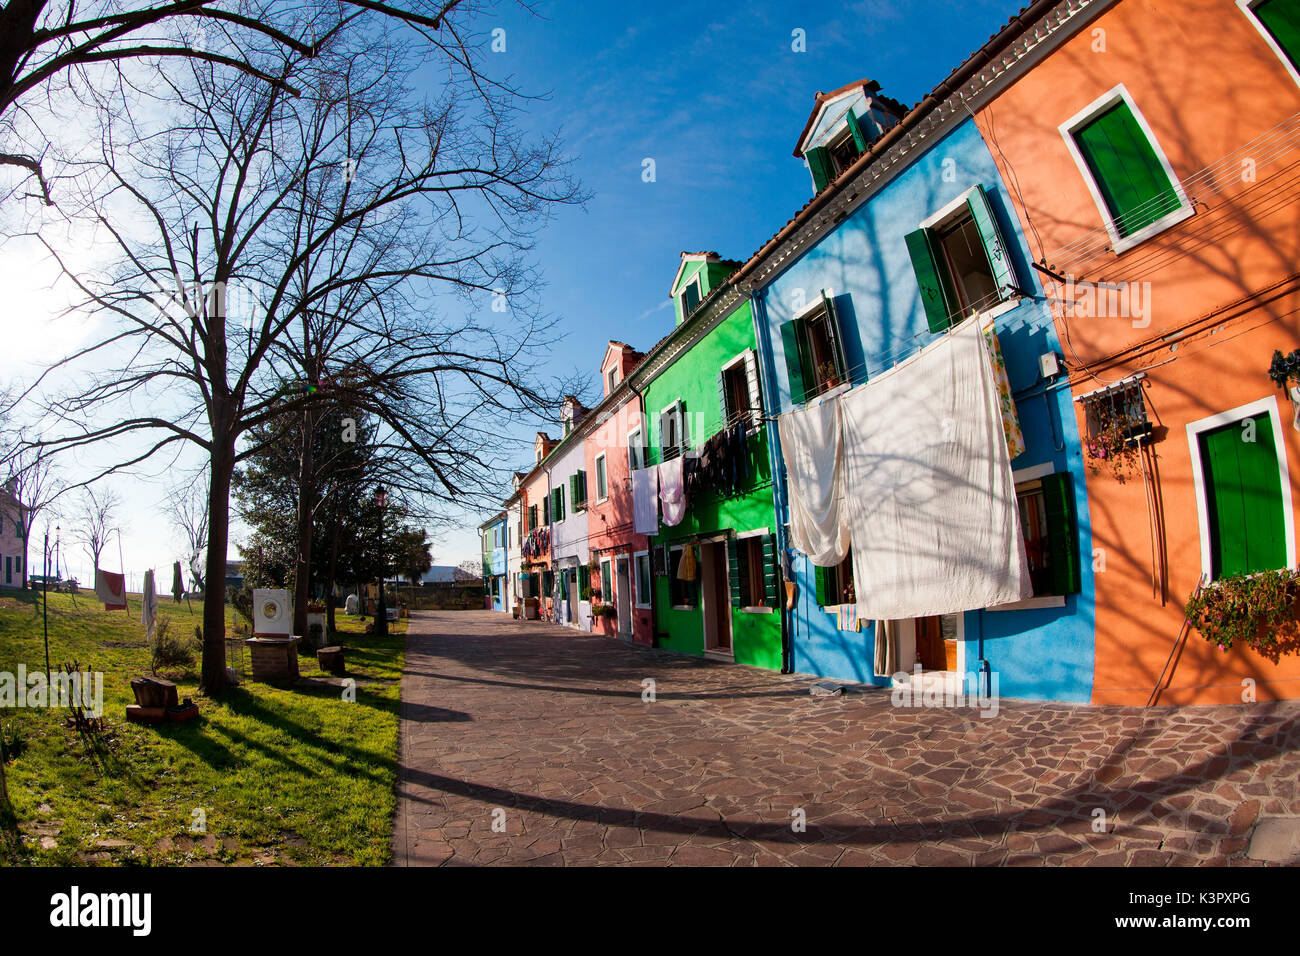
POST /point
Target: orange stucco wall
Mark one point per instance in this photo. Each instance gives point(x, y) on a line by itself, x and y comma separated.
point(1223, 294)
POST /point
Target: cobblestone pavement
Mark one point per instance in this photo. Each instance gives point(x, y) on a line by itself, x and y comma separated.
point(543, 732)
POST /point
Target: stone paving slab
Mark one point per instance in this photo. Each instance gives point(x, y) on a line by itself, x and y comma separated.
point(529, 743)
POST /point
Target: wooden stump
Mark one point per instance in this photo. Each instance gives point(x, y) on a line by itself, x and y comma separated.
point(331, 660)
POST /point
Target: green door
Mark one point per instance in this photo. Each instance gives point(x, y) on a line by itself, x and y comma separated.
point(1243, 490)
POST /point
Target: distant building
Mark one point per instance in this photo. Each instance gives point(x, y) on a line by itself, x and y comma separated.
point(13, 550)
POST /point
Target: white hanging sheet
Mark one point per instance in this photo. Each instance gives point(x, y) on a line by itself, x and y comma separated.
point(811, 447)
point(929, 493)
point(645, 500)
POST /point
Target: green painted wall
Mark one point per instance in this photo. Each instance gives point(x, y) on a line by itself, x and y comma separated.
point(692, 378)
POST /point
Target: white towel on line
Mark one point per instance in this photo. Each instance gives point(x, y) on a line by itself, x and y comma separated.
point(645, 500)
point(812, 449)
point(672, 491)
point(931, 501)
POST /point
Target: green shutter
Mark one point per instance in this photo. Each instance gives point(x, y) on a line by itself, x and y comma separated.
point(819, 161)
point(722, 395)
point(822, 586)
point(837, 340)
point(573, 491)
point(771, 572)
point(859, 134)
point(1282, 19)
point(1062, 532)
point(1133, 183)
point(994, 246)
point(932, 278)
point(1243, 492)
point(734, 574)
point(792, 345)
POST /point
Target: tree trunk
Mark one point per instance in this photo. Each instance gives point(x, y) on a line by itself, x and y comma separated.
point(222, 462)
point(329, 576)
point(302, 574)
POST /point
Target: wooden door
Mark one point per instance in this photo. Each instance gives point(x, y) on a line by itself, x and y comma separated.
point(721, 598)
point(931, 653)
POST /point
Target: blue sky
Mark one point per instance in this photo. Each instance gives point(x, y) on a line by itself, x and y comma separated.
point(717, 97)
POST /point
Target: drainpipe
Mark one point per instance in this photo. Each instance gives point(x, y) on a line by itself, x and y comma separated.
point(645, 432)
point(763, 336)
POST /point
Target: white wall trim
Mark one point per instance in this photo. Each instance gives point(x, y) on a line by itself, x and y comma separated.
point(595, 477)
point(1185, 209)
point(1033, 472)
point(935, 219)
point(1241, 412)
point(1029, 604)
point(1248, 8)
point(636, 582)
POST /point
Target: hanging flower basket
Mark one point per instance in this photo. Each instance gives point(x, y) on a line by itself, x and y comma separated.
point(1257, 610)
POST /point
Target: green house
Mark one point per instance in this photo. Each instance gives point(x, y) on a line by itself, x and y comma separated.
point(700, 382)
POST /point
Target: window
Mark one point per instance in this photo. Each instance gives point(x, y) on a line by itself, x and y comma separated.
point(532, 518)
point(738, 390)
point(548, 583)
point(828, 161)
point(546, 509)
point(681, 594)
point(752, 569)
point(690, 297)
point(814, 355)
point(606, 582)
point(578, 490)
point(835, 585)
point(1279, 22)
point(672, 430)
point(635, 450)
point(602, 481)
point(1243, 491)
point(1130, 179)
point(557, 503)
point(643, 588)
point(960, 261)
point(1114, 415)
point(1047, 521)
point(843, 152)
point(611, 379)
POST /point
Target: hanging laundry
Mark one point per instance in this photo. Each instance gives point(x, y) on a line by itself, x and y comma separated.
point(687, 567)
point(886, 658)
point(148, 604)
point(737, 458)
point(812, 449)
point(110, 589)
point(1007, 404)
point(846, 617)
point(672, 492)
point(178, 584)
point(928, 487)
point(645, 500)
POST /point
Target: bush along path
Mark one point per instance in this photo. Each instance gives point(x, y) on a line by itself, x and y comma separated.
point(266, 775)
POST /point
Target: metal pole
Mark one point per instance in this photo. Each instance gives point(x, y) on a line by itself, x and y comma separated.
point(45, 600)
point(381, 616)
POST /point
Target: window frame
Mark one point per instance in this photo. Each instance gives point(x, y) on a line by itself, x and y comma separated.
point(825, 307)
point(607, 574)
point(699, 293)
point(1248, 8)
point(637, 557)
point(601, 468)
point(1236, 415)
point(1121, 244)
point(676, 550)
point(637, 462)
point(677, 406)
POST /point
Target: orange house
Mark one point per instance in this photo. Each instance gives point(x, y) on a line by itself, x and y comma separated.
point(535, 561)
point(1155, 162)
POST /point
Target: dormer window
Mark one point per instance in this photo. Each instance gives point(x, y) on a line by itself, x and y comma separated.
point(843, 152)
point(611, 379)
point(690, 297)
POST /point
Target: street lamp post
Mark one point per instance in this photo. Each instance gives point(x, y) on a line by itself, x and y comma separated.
point(381, 610)
point(45, 597)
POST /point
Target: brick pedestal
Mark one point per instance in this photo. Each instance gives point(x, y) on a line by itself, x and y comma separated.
point(274, 659)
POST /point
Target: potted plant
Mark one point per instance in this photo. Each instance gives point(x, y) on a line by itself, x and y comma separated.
point(604, 618)
point(1115, 436)
point(1256, 610)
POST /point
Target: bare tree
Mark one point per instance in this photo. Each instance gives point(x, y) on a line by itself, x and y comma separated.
point(188, 506)
point(96, 517)
point(351, 206)
point(43, 41)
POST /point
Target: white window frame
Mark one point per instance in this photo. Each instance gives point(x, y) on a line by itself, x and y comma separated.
point(1238, 414)
point(672, 565)
point(1121, 244)
point(674, 406)
point(607, 598)
point(746, 536)
point(639, 445)
point(938, 220)
point(636, 578)
point(611, 378)
point(600, 461)
point(1248, 8)
point(699, 290)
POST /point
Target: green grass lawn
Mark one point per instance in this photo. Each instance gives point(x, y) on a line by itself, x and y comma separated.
point(281, 775)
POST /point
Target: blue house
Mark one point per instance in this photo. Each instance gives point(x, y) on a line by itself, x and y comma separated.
point(912, 230)
point(493, 533)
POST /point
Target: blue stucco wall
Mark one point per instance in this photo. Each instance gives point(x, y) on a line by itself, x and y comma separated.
point(1044, 654)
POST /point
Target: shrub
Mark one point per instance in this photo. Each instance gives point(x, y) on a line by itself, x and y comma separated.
point(168, 651)
point(1253, 609)
point(12, 742)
